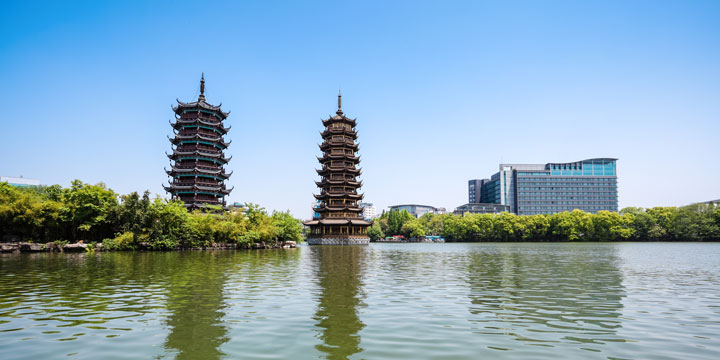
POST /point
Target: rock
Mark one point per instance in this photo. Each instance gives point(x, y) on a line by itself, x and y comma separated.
point(30, 247)
point(99, 247)
point(7, 248)
point(51, 246)
point(78, 247)
point(144, 245)
point(290, 244)
point(257, 246)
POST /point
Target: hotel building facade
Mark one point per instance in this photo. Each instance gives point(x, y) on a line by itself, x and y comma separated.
point(529, 189)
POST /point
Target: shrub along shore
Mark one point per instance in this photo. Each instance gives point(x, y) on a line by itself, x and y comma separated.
point(88, 217)
point(91, 217)
point(698, 222)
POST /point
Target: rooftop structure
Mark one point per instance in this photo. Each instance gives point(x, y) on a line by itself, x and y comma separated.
point(20, 181)
point(340, 221)
point(418, 210)
point(197, 174)
point(481, 208)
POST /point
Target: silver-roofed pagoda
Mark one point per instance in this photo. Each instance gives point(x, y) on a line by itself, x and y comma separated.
point(197, 174)
point(340, 221)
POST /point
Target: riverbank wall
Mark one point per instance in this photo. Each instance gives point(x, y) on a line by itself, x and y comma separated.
point(28, 247)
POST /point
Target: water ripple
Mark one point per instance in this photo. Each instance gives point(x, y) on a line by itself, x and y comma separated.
point(419, 301)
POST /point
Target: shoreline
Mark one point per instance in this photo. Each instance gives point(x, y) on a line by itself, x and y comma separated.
point(74, 248)
point(80, 247)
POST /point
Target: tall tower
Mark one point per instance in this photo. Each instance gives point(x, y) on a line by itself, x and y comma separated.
point(340, 221)
point(197, 174)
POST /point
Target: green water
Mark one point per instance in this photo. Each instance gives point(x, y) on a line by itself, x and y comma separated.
point(384, 301)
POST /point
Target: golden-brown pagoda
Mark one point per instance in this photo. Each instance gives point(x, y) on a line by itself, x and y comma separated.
point(340, 221)
point(197, 176)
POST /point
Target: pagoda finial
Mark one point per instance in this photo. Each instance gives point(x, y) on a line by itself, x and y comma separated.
point(339, 102)
point(202, 87)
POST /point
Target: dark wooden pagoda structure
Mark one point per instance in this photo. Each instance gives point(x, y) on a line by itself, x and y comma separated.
point(197, 174)
point(340, 221)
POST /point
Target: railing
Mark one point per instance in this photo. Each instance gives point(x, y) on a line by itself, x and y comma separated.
point(212, 168)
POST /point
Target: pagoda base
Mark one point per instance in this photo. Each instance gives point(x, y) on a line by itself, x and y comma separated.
point(339, 241)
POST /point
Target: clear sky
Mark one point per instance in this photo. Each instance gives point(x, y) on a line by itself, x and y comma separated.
point(443, 92)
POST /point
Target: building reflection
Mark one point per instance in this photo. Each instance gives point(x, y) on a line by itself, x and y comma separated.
point(196, 304)
point(339, 276)
point(562, 293)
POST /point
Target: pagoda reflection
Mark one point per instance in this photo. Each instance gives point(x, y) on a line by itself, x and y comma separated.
point(196, 302)
point(339, 276)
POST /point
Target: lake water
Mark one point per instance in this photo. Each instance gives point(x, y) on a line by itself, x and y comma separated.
point(383, 301)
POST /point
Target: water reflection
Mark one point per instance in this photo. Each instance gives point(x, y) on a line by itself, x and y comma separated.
point(339, 275)
point(196, 304)
point(559, 294)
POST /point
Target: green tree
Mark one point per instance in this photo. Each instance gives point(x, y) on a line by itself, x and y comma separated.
point(86, 210)
point(287, 228)
point(375, 231)
point(413, 228)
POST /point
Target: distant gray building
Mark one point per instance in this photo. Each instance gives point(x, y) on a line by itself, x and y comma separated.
point(474, 188)
point(418, 210)
point(481, 208)
point(589, 185)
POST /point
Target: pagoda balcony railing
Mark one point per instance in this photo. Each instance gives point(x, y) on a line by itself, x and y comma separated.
point(195, 135)
point(350, 168)
point(201, 153)
point(194, 147)
point(340, 142)
point(192, 120)
point(198, 183)
point(338, 192)
point(192, 115)
point(203, 132)
point(339, 132)
point(206, 201)
point(213, 168)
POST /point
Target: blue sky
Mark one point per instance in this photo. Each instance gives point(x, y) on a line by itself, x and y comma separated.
point(443, 92)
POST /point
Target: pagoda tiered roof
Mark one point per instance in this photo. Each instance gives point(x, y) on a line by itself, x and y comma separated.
point(339, 117)
point(326, 170)
point(179, 138)
point(338, 156)
point(198, 170)
point(331, 208)
point(215, 189)
point(219, 155)
point(339, 195)
point(325, 182)
point(330, 221)
point(327, 134)
point(180, 122)
point(349, 144)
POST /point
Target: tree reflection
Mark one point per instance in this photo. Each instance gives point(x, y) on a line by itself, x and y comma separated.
point(196, 303)
point(565, 292)
point(339, 275)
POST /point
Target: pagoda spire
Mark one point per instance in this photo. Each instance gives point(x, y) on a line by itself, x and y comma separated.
point(202, 87)
point(339, 111)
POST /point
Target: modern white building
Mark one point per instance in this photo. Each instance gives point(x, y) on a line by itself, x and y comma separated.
point(20, 181)
point(369, 211)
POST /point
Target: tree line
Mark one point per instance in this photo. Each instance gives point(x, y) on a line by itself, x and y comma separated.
point(95, 213)
point(697, 222)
